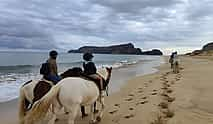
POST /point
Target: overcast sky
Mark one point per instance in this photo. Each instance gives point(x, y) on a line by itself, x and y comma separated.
point(169, 25)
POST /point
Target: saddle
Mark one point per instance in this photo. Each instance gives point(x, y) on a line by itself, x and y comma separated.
point(44, 86)
point(96, 81)
point(41, 88)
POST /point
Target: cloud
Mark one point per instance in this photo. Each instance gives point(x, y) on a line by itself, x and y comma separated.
point(62, 24)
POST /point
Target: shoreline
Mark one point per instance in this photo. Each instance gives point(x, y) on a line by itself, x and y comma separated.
point(119, 77)
point(9, 108)
point(165, 97)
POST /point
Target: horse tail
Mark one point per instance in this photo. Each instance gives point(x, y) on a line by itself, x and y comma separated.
point(22, 106)
point(41, 107)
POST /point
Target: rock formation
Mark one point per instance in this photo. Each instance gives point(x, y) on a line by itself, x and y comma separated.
point(115, 49)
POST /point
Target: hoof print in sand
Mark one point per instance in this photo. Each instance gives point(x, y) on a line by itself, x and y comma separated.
point(140, 91)
point(144, 97)
point(154, 93)
point(117, 105)
point(164, 94)
point(112, 112)
point(168, 113)
point(131, 109)
point(129, 99)
point(163, 105)
point(143, 102)
point(170, 99)
point(164, 88)
point(131, 95)
point(169, 91)
point(129, 116)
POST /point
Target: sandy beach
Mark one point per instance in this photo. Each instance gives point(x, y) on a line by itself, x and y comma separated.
point(159, 98)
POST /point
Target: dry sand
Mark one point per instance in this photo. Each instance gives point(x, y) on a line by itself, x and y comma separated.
point(160, 98)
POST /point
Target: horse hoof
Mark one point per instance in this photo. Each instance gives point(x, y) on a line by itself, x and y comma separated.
point(98, 118)
point(96, 111)
point(92, 122)
point(84, 115)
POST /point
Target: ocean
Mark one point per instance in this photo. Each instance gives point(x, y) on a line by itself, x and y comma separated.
point(18, 67)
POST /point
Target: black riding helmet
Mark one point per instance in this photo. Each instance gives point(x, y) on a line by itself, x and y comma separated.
point(53, 54)
point(87, 56)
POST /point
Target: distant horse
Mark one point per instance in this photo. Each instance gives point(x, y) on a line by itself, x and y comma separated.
point(33, 90)
point(171, 62)
point(70, 93)
point(175, 64)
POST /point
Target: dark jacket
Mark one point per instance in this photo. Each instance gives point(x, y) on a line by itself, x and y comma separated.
point(89, 68)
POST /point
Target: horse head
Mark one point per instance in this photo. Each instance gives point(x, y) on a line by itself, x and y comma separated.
point(73, 72)
point(106, 74)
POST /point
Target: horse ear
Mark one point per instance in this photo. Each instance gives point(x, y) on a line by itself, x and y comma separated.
point(109, 68)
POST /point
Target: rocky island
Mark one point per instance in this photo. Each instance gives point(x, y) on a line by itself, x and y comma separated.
point(206, 50)
point(116, 49)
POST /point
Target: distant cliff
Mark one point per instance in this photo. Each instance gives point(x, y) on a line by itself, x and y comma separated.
point(115, 49)
point(206, 50)
point(153, 52)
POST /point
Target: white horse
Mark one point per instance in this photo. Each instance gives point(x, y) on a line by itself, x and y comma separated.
point(175, 64)
point(70, 93)
point(27, 91)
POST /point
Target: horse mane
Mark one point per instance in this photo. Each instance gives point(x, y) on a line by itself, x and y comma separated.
point(103, 72)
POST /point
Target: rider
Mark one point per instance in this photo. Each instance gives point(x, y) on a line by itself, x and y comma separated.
point(53, 74)
point(172, 56)
point(90, 70)
point(171, 59)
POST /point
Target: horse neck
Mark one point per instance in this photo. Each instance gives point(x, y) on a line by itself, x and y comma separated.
point(106, 76)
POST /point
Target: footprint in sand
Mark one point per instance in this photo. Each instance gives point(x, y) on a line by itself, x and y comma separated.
point(129, 116)
point(113, 111)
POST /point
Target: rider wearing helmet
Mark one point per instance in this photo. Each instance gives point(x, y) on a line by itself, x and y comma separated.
point(53, 75)
point(90, 70)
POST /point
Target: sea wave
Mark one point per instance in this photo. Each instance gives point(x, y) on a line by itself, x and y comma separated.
point(124, 63)
point(14, 67)
point(12, 80)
